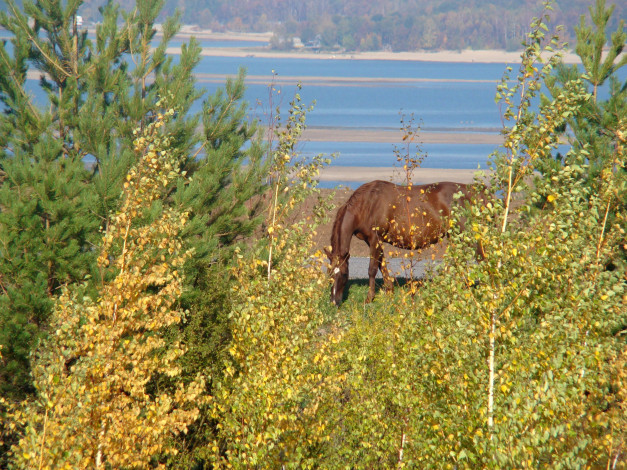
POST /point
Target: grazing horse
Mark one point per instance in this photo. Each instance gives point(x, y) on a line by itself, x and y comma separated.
point(410, 217)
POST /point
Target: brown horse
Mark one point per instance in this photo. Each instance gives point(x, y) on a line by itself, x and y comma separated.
point(410, 217)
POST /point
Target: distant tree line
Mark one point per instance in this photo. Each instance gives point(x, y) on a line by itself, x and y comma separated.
point(399, 25)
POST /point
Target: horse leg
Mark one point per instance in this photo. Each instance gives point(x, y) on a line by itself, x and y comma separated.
point(377, 264)
point(388, 281)
point(372, 273)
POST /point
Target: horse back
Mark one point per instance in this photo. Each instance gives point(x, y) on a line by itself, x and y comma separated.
point(392, 212)
point(377, 199)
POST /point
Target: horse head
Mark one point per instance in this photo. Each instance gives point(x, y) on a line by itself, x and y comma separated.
point(338, 270)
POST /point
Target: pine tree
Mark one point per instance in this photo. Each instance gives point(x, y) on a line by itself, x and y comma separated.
point(594, 126)
point(97, 90)
point(595, 129)
point(46, 222)
point(45, 227)
point(600, 64)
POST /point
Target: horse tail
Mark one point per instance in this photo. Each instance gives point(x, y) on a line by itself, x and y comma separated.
point(336, 232)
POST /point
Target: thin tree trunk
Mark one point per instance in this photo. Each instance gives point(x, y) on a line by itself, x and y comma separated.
point(99, 452)
point(491, 371)
point(400, 451)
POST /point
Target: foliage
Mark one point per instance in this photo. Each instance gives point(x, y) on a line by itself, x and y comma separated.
point(63, 160)
point(515, 361)
point(94, 406)
point(600, 66)
point(594, 130)
point(46, 227)
point(594, 127)
point(225, 181)
point(46, 218)
point(509, 362)
point(276, 374)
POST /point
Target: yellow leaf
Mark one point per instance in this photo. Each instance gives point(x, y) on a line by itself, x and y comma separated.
point(551, 198)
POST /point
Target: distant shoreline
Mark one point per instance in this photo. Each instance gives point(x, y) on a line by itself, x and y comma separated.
point(455, 56)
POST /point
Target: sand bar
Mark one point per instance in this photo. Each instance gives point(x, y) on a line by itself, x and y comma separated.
point(419, 176)
point(326, 134)
point(464, 56)
point(335, 81)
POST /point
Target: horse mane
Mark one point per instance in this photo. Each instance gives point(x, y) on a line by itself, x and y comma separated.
point(337, 228)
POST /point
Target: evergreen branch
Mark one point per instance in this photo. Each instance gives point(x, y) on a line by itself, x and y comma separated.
point(11, 71)
point(35, 40)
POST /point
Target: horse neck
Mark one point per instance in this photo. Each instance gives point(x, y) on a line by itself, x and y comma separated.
point(342, 232)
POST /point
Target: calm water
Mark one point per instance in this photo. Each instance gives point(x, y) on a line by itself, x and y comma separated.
point(440, 106)
point(451, 97)
point(448, 97)
point(440, 96)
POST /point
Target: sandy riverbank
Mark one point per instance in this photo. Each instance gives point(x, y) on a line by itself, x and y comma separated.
point(467, 55)
point(357, 174)
point(326, 134)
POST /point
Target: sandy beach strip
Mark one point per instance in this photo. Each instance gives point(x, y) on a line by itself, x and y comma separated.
point(353, 174)
point(333, 81)
point(463, 56)
point(326, 134)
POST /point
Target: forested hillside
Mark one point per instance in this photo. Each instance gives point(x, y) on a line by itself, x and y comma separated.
point(386, 24)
